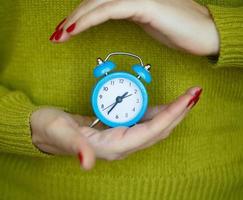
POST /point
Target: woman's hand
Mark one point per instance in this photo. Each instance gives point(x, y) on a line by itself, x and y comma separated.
point(57, 132)
point(179, 24)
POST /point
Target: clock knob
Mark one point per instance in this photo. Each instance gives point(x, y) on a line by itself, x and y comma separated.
point(103, 68)
point(143, 72)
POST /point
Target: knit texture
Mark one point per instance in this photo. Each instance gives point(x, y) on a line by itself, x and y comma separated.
point(229, 22)
point(202, 158)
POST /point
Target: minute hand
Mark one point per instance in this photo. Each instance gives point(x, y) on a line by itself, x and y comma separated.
point(118, 100)
point(115, 102)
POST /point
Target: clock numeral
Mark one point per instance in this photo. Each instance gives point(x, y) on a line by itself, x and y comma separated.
point(100, 96)
point(102, 106)
point(121, 81)
point(135, 91)
point(133, 109)
point(126, 115)
point(117, 117)
point(105, 88)
point(130, 84)
point(112, 82)
point(137, 101)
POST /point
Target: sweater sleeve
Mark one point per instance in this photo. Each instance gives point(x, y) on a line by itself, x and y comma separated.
point(15, 132)
point(229, 23)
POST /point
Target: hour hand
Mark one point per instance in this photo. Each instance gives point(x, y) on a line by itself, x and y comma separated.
point(118, 100)
point(112, 107)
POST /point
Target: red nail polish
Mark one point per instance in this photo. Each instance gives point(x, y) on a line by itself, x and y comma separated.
point(71, 28)
point(58, 34)
point(195, 98)
point(195, 102)
point(191, 101)
point(60, 23)
point(53, 35)
point(198, 92)
point(80, 156)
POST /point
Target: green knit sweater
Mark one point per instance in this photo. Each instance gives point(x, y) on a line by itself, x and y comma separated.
point(203, 157)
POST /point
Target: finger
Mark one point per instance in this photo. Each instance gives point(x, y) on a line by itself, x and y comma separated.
point(178, 120)
point(152, 111)
point(104, 12)
point(81, 147)
point(80, 10)
point(86, 153)
point(102, 142)
point(174, 110)
point(69, 141)
point(145, 132)
point(168, 130)
point(164, 134)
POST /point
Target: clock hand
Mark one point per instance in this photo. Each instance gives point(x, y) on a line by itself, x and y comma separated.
point(112, 107)
point(118, 100)
point(108, 106)
point(127, 96)
point(115, 102)
point(124, 95)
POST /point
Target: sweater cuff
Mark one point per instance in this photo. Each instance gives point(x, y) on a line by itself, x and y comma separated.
point(15, 130)
point(229, 23)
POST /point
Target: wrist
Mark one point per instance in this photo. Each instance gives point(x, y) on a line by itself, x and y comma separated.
point(214, 39)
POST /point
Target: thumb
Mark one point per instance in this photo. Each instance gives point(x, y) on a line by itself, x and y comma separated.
point(84, 151)
point(70, 141)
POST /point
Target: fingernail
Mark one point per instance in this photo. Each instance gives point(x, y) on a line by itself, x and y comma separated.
point(198, 92)
point(60, 24)
point(53, 35)
point(195, 98)
point(80, 156)
point(195, 102)
point(71, 28)
point(58, 34)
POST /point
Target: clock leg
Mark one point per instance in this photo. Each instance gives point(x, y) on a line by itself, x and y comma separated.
point(95, 122)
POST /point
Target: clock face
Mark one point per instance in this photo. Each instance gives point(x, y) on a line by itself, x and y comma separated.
point(120, 100)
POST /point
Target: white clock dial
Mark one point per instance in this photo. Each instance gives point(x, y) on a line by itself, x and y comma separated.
point(119, 100)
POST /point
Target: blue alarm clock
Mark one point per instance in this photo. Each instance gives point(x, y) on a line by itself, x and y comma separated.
point(120, 98)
